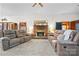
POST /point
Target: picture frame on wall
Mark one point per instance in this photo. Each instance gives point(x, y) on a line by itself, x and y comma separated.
point(22, 26)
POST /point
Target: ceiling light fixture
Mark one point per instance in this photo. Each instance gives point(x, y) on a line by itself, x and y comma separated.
point(35, 4)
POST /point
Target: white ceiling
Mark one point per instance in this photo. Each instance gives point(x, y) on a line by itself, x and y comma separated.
point(26, 9)
point(53, 11)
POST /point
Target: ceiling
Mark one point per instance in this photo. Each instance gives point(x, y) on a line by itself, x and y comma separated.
point(26, 9)
point(50, 11)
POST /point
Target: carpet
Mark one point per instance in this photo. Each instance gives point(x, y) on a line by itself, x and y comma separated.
point(34, 47)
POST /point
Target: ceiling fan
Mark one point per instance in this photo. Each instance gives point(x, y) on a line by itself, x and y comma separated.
point(40, 4)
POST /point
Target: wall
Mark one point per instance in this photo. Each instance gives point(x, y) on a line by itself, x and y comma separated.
point(51, 12)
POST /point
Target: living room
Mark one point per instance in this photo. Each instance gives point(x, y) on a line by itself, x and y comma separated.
point(28, 29)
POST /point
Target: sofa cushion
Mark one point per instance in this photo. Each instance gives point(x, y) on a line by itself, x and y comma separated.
point(14, 41)
point(21, 33)
point(59, 31)
point(1, 34)
point(61, 36)
point(7, 32)
point(27, 38)
point(0, 44)
point(54, 43)
point(3, 44)
point(67, 34)
point(22, 39)
point(72, 35)
point(11, 36)
point(76, 38)
point(10, 33)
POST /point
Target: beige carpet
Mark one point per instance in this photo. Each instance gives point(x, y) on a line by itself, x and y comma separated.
point(35, 47)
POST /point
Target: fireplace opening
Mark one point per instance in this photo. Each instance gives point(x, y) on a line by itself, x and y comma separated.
point(40, 33)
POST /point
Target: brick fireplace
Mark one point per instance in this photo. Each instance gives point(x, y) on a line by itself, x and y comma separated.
point(40, 28)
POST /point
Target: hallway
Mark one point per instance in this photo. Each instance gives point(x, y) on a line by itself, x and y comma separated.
point(35, 47)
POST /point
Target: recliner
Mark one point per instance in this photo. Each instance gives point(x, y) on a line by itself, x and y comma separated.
point(22, 34)
point(68, 47)
point(11, 38)
point(53, 38)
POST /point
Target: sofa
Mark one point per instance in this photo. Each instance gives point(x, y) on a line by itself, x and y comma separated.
point(23, 34)
point(53, 38)
point(68, 47)
point(64, 46)
point(13, 38)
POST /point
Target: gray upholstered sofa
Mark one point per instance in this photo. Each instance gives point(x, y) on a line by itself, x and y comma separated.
point(53, 38)
point(23, 34)
point(12, 38)
point(64, 47)
point(68, 47)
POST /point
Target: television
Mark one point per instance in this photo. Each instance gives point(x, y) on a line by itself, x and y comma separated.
point(58, 26)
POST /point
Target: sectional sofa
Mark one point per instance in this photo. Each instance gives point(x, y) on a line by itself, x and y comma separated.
point(64, 47)
point(53, 38)
point(68, 47)
point(12, 38)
